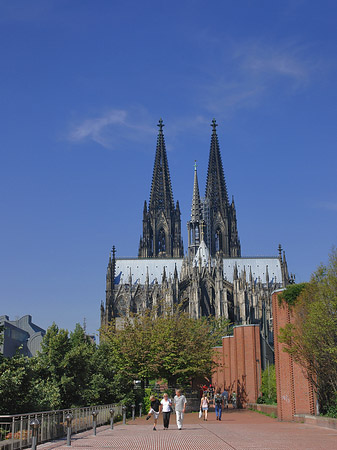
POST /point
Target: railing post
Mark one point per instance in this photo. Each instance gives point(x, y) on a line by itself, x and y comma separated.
point(35, 425)
point(63, 421)
point(140, 409)
point(69, 418)
point(28, 430)
point(13, 432)
point(124, 414)
point(42, 427)
point(112, 413)
point(21, 430)
point(133, 407)
point(94, 418)
point(48, 426)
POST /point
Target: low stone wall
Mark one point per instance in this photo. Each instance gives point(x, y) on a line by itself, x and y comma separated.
point(268, 409)
point(326, 422)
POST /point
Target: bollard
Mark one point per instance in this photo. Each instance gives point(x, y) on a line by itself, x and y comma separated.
point(69, 418)
point(112, 413)
point(140, 409)
point(124, 414)
point(94, 423)
point(35, 425)
point(133, 407)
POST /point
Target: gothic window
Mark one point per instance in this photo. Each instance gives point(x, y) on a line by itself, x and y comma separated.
point(197, 241)
point(161, 241)
point(218, 240)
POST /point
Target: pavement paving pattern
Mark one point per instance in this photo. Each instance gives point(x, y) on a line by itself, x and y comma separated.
point(239, 430)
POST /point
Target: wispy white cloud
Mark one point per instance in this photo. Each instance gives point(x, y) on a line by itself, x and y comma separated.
point(112, 127)
point(266, 60)
point(251, 71)
point(246, 74)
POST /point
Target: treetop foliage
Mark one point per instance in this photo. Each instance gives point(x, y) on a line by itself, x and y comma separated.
point(169, 345)
point(72, 371)
point(291, 293)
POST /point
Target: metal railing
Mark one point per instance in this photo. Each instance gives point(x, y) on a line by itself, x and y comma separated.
point(16, 430)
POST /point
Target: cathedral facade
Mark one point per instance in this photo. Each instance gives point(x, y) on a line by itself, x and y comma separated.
point(211, 278)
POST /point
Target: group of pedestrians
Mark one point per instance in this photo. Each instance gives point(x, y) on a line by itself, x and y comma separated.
point(219, 400)
point(165, 407)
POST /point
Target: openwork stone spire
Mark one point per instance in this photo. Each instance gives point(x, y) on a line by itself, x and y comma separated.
point(216, 190)
point(161, 220)
point(195, 226)
point(196, 213)
point(220, 216)
point(161, 196)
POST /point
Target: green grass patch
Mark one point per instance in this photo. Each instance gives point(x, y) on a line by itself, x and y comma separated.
point(272, 415)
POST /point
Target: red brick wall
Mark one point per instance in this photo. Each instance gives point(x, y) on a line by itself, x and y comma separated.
point(295, 394)
point(240, 361)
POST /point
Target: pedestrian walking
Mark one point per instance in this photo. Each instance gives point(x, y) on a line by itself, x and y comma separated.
point(234, 400)
point(218, 404)
point(154, 410)
point(179, 406)
point(204, 405)
point(225, 398)
point(166, 409)
point(211, 391)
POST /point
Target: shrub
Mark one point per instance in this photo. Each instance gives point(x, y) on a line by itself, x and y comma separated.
point(268, 385)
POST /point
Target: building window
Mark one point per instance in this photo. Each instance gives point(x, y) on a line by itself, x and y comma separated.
point(218, 240)
point(161, 241)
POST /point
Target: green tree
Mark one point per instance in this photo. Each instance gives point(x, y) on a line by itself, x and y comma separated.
point(65, 367)
point(268, 385)
point(169, 345)
point(312, 339)
point(15, 383)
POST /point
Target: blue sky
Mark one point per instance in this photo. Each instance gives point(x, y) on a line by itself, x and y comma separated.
point(82, 86)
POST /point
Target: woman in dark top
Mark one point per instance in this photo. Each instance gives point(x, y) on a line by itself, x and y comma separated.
point(154, 410)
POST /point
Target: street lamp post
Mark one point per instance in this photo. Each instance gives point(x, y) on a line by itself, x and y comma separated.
point(112, 414)
point(35, 426)
point(94, 418)
point(124, 414)
point(69, 419)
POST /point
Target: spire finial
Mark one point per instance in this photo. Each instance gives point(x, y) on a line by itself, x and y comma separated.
point(195, 165)
point(214, 125)
point(160, 125)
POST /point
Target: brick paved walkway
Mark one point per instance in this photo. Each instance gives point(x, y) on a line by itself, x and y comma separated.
point(239, 430)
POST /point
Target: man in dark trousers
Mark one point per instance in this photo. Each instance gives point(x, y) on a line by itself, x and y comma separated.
point(154, 410)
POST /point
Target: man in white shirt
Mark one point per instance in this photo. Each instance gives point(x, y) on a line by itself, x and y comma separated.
point(179, 406)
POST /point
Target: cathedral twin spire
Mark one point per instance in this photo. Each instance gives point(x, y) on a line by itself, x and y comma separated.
point(216, 190)
point(161, 196)
point(161, 220)
point(212, 219)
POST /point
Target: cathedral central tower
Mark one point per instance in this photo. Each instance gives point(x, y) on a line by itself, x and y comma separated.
point(161, 219)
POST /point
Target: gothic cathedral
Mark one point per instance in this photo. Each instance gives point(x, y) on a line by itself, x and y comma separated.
point(212, 278)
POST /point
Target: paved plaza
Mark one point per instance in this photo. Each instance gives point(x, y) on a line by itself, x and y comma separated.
point(239, 430)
